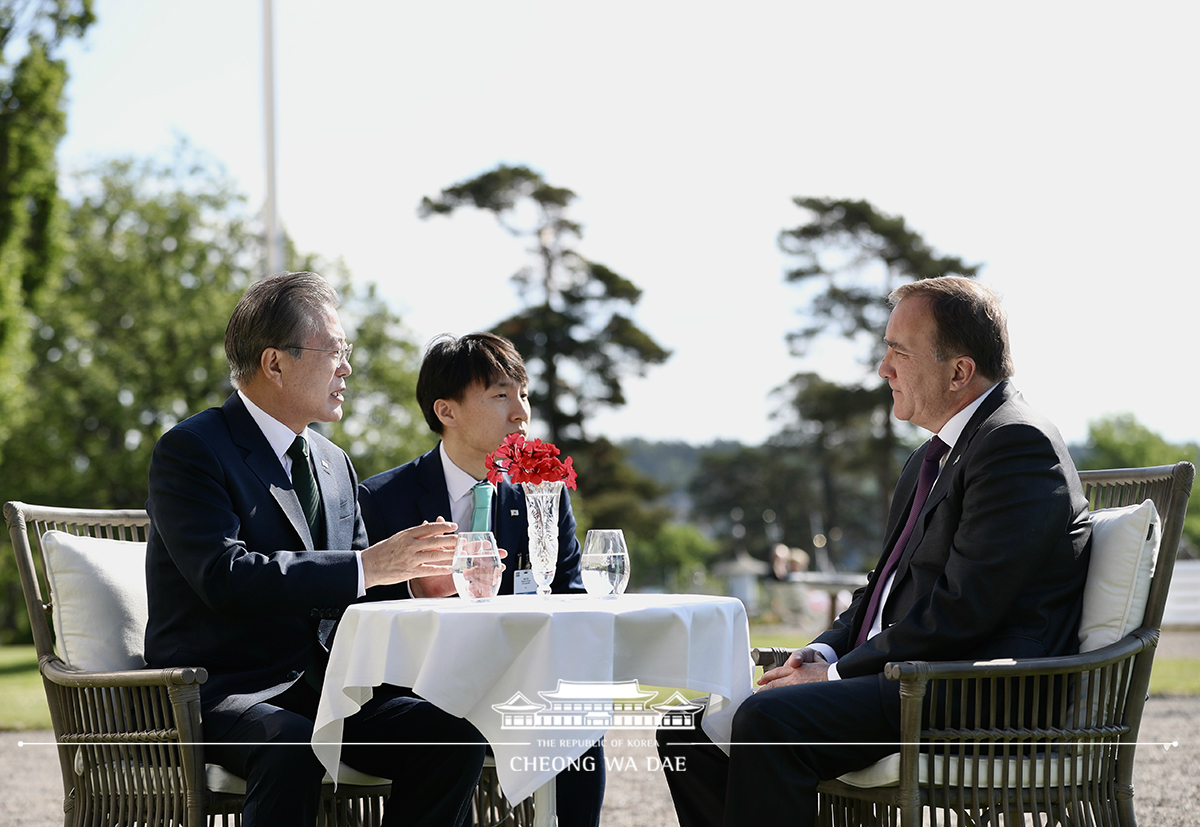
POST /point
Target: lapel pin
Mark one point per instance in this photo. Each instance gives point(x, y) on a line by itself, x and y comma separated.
point(514, 513)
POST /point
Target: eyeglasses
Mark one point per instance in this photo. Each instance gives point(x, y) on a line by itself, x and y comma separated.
point(342, 352)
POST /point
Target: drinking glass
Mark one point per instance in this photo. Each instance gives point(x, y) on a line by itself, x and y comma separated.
point(605, 562)
point(477, 567)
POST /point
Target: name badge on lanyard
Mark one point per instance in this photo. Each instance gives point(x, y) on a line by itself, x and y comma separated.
point(523, 582)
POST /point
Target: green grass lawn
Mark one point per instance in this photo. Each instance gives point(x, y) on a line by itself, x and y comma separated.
point(23, 702)
point(1170, 676)
point(22, 699)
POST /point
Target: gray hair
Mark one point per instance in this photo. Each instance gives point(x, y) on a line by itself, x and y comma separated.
point(279, 311)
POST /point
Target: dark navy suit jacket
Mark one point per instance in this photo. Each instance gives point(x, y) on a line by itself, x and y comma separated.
point(996, 564)
point(234, 582)
point(405, 496)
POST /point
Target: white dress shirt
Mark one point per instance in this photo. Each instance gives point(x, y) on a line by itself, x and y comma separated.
point(458, 487)
point(281, 437)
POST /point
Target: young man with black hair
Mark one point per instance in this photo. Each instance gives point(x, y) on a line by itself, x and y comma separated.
point(474, 392)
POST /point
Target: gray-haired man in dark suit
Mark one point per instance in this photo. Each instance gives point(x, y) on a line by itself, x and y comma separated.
point(255, 539)
point(990, 564)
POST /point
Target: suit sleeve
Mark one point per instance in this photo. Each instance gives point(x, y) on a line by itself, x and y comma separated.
point(371, 516)
point(379, 528)
point(196, 505)
point(837, 637)
point(568, 579)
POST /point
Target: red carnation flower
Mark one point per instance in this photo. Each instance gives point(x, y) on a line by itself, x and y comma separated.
point(529, 460)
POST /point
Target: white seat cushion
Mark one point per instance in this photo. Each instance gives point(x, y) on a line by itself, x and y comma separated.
point(221, 780)
point(886, 771)
point(1124, 547)
point(98, 591)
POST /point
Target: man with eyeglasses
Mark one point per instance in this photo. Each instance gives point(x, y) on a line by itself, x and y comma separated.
point(256, 545)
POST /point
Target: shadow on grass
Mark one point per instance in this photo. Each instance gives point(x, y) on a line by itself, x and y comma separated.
point(18, 668)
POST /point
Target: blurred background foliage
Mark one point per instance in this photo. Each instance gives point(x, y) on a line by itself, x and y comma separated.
point(114, 300)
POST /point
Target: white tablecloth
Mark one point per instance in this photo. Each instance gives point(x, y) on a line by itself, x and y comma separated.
point(466, 657)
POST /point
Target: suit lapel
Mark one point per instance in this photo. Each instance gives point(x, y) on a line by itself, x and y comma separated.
point(434, 501)
point(261, 459)
point(511, 534)
point(941, 486)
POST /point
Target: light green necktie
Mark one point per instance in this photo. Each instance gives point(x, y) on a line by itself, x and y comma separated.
point(481, 517)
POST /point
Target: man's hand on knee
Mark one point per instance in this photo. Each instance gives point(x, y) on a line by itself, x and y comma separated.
point(803, 666)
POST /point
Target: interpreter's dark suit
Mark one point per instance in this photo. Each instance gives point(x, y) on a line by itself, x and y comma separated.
point(235, 586)
point(995, 568)
point(415, 492)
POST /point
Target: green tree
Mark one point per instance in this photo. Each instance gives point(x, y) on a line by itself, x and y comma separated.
point(131, 344)
point(157, 256)
point(32, 123)
point(833, 429)
point(573, 334)
point(677, 551)
point(1120, 441)
point(577, 340)
point(852, 256)
point(383, 426)
point(752, 497)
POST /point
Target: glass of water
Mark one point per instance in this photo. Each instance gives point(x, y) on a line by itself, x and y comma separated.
point(605, 562)
point(477, 566)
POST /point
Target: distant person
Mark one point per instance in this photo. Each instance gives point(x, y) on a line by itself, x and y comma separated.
point(244, 501)
point(992, 565)
point(474, 392)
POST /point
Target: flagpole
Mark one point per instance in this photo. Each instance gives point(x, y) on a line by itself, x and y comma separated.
point(274, 235)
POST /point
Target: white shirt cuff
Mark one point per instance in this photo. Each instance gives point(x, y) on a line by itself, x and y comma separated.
point(830, 657)
point(826, 651)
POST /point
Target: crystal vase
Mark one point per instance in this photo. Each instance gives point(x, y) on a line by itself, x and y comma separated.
point(541, 500)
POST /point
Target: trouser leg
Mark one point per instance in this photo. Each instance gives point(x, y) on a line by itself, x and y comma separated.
point(432, 757)
point(787, 739)
point(580, 790)
point(697, 773)
point(269, 747)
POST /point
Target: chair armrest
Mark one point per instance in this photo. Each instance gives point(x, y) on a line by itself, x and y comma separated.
point(57, 672)
point(770, 658)
point(149, 718)
point(914, 670)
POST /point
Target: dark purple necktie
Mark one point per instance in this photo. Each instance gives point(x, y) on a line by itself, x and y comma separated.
point(929, 471)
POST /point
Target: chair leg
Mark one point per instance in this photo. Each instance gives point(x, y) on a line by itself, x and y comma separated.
point(492, 808)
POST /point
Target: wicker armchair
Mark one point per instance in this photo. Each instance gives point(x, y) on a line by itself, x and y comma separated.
point(129, 739)
point(1045, 741)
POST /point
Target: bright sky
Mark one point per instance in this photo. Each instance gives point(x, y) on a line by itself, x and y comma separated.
point(1054, 143)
